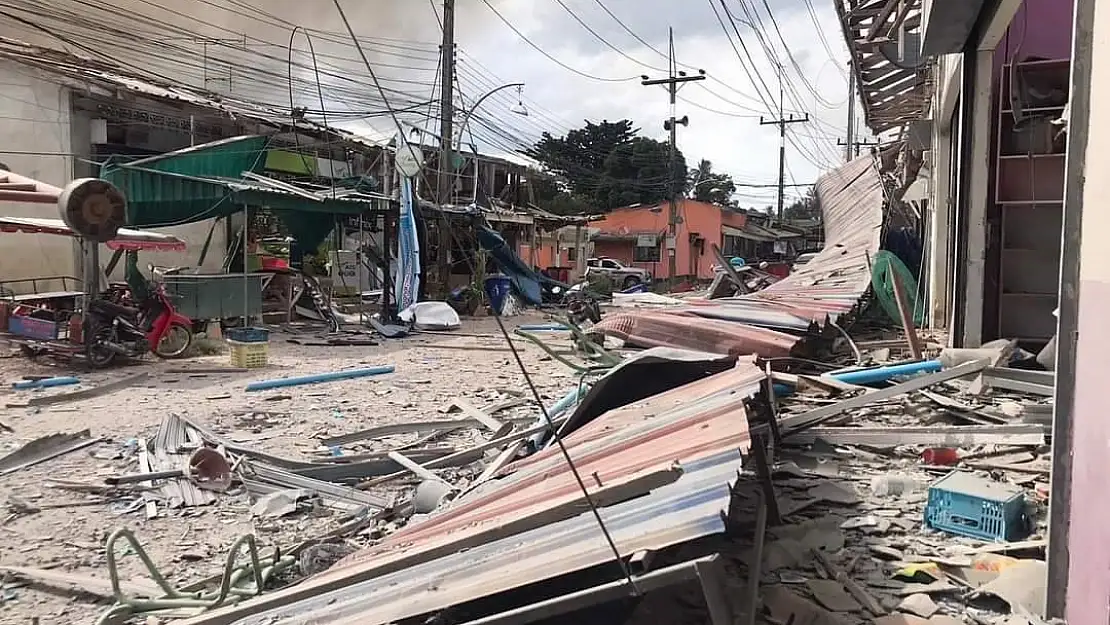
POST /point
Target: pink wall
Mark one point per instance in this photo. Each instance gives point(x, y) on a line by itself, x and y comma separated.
point(697, 217)
point(1040, 28)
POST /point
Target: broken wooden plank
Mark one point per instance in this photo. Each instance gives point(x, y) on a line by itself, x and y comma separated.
point(818, 415)
point(935, 435)
point(858, 592)
point(97, 586)
point(470, 410)
point(505, 457)
point(88, 393)
point(415, 467)
point(905, 313)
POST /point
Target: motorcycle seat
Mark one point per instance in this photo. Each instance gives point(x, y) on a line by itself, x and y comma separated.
point(113, 309)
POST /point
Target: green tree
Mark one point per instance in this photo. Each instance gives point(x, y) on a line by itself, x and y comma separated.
point(607, 165)
point(578, 157)
point(806, 207)
point(706, 185)
point(553, 194)
point(639, 172)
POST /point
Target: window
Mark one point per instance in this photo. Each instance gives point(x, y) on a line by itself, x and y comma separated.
point(610, 264)
point(591, 262)
point(645, 254)
point(572, 254)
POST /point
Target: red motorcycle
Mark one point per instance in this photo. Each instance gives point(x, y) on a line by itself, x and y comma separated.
point(113, 329)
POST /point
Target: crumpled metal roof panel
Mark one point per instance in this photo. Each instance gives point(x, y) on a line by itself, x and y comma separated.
point(702, 426)
point(832, 284)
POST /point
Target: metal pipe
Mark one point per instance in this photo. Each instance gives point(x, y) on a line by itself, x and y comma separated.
point(31, 197)
point(612, 591)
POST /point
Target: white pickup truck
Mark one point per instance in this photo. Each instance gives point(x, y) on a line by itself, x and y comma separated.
point(623, 277)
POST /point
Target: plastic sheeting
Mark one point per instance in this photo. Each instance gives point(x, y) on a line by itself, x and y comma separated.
point(431, 316)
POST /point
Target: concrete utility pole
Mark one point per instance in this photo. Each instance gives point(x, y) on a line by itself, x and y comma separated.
point(444, 179)
point(781, 122)
point(851, 114)
point(673, 82)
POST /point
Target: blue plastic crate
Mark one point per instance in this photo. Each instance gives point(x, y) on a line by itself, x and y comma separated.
point(968, 505)
point(248, 335)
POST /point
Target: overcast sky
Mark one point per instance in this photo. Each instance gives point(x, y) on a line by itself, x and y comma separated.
point(732, 139)
point(594, 75)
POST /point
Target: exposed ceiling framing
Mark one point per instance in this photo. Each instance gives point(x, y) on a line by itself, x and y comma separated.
point(893, 93)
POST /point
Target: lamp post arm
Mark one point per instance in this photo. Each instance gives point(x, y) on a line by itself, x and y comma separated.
point(470, 113)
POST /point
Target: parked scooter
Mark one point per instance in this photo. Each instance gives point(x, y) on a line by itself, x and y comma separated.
point(113, 330)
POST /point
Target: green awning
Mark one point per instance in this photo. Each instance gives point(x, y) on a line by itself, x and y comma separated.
point(205, 181)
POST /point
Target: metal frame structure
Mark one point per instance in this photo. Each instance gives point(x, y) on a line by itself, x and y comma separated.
point(892, 94)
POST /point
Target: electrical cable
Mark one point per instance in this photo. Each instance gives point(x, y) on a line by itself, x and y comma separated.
point(536, 47)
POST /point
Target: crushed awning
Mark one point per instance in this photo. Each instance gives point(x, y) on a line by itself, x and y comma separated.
point(126, 239)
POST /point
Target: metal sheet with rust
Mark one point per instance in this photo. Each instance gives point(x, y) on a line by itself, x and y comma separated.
point(830, 285)
point(695, 425)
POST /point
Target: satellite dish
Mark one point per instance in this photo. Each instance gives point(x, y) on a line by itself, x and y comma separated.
point(409, 160)
point(93, 208)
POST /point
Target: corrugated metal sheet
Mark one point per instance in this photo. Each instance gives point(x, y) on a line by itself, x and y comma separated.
point(830, 285)
point(688, 509)
point(702, 426)
point(664, 329)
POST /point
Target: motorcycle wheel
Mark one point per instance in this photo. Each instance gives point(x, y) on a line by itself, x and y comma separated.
point(99, 357)
point(175, 342)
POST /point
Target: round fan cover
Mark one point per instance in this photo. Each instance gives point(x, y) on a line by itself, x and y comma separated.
point(93, 208)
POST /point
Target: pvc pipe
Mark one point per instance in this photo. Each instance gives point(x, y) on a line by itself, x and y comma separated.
point(882, 374)
point(873, 375)
point(543, 327)
point(318, 378)
point(567, 402)
point(45, 383)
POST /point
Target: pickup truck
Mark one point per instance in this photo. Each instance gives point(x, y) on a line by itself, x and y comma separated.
point(623, 277)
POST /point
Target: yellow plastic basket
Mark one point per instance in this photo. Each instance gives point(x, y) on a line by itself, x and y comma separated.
point(249, 355)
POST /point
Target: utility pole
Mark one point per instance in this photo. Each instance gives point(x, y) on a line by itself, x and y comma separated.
point(781, 122)
point(445, 179)
point(854, 146)
point(446, 105)
point(674, 81)
point(851, 114)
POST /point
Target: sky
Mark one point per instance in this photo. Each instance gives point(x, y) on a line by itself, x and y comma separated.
point(578, 60)
point(732, 137)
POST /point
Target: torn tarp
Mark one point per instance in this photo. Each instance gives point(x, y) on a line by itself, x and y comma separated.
point(528, 283)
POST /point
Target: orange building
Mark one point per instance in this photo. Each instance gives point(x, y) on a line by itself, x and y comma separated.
point(636, 235)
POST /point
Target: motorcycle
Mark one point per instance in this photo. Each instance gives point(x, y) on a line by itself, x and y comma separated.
point(114, 329)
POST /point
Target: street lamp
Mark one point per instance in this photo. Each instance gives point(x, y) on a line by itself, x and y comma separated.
point(517, 108)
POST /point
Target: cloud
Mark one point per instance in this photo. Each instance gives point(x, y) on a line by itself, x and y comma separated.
point(194, 43)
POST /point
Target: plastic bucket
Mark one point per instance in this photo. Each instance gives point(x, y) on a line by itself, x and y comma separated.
point(497, 289)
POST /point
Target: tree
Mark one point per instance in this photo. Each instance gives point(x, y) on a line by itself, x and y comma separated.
point(638, 172)
point(553, 195)
point(607, 165)
point(806, 207)
point(579, 156)
point(705, 185)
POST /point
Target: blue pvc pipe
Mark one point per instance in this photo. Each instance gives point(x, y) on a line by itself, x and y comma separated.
point(318, 378)
point(871, 376)
point(566, 403)
point(882, 374)
point(46, 383)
